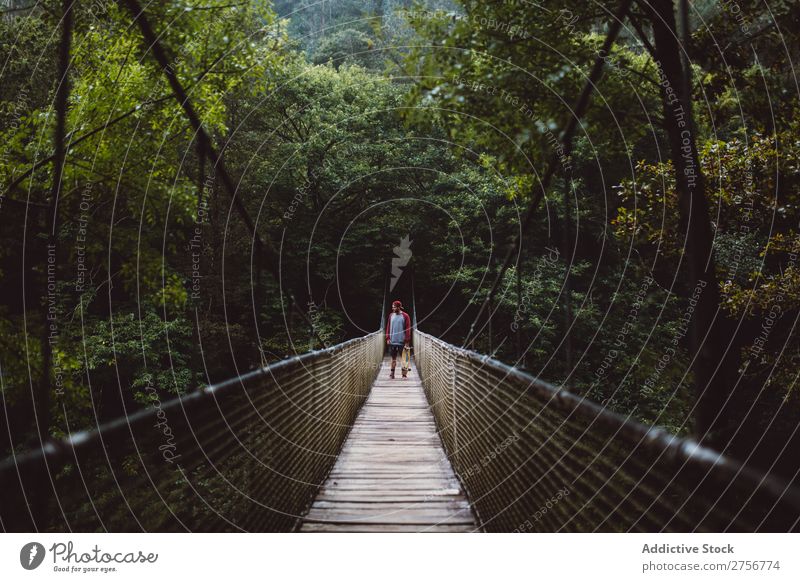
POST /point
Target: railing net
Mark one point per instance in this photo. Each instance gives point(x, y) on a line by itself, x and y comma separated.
point(248, 454)
point(536, 458)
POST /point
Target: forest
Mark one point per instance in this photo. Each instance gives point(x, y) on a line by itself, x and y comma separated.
point(264, 178)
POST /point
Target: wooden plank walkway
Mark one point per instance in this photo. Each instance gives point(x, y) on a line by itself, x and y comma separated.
point(392, 474)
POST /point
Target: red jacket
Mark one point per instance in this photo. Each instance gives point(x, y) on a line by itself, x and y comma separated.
point(407, 321)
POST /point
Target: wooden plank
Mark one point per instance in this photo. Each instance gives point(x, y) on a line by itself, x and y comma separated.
point(311, 527)
point(394, 487)
point(442, 488)
point(427, 517)
point(438, 483)
point(409, 471)
point(389, 497)
point(399, 514)
point(449, 506)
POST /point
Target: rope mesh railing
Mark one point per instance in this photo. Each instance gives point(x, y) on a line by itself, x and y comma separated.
point(536, 458)
point(248, 454)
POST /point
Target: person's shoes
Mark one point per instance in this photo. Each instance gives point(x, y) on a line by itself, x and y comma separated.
point(391, 375)
point(404, 375)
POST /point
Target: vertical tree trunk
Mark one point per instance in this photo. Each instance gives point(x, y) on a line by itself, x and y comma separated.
point(196, 359)
point(489, 328)
point(566, 244)
point(50, 263)
point(289, 329)
point(705, 338)
point(518, 313)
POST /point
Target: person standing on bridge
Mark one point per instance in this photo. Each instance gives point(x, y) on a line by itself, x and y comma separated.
point(398, 333)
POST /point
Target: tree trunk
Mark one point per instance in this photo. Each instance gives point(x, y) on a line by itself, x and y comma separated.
point(50, 256)
point(566, 245)
point(706, 340)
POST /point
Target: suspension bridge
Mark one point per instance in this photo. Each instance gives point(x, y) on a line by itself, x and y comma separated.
point(326, 441)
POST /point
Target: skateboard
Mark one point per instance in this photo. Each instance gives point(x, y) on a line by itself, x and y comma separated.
point(405, 359)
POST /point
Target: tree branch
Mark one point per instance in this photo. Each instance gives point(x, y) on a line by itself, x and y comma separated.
point(29, 172)
point(262, 247)
point(566, 141)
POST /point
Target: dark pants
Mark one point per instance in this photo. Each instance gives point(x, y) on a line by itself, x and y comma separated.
point(395, 351)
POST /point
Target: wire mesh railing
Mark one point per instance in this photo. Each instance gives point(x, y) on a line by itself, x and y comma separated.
point(533, 457)
point(248, 454)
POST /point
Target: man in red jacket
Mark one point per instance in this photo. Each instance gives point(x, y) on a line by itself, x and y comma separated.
point(398, 333)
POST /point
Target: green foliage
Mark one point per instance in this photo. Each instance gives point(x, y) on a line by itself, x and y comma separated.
point(128, 204)
point(145, 351)
point(159, 287)
point(347, 46)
